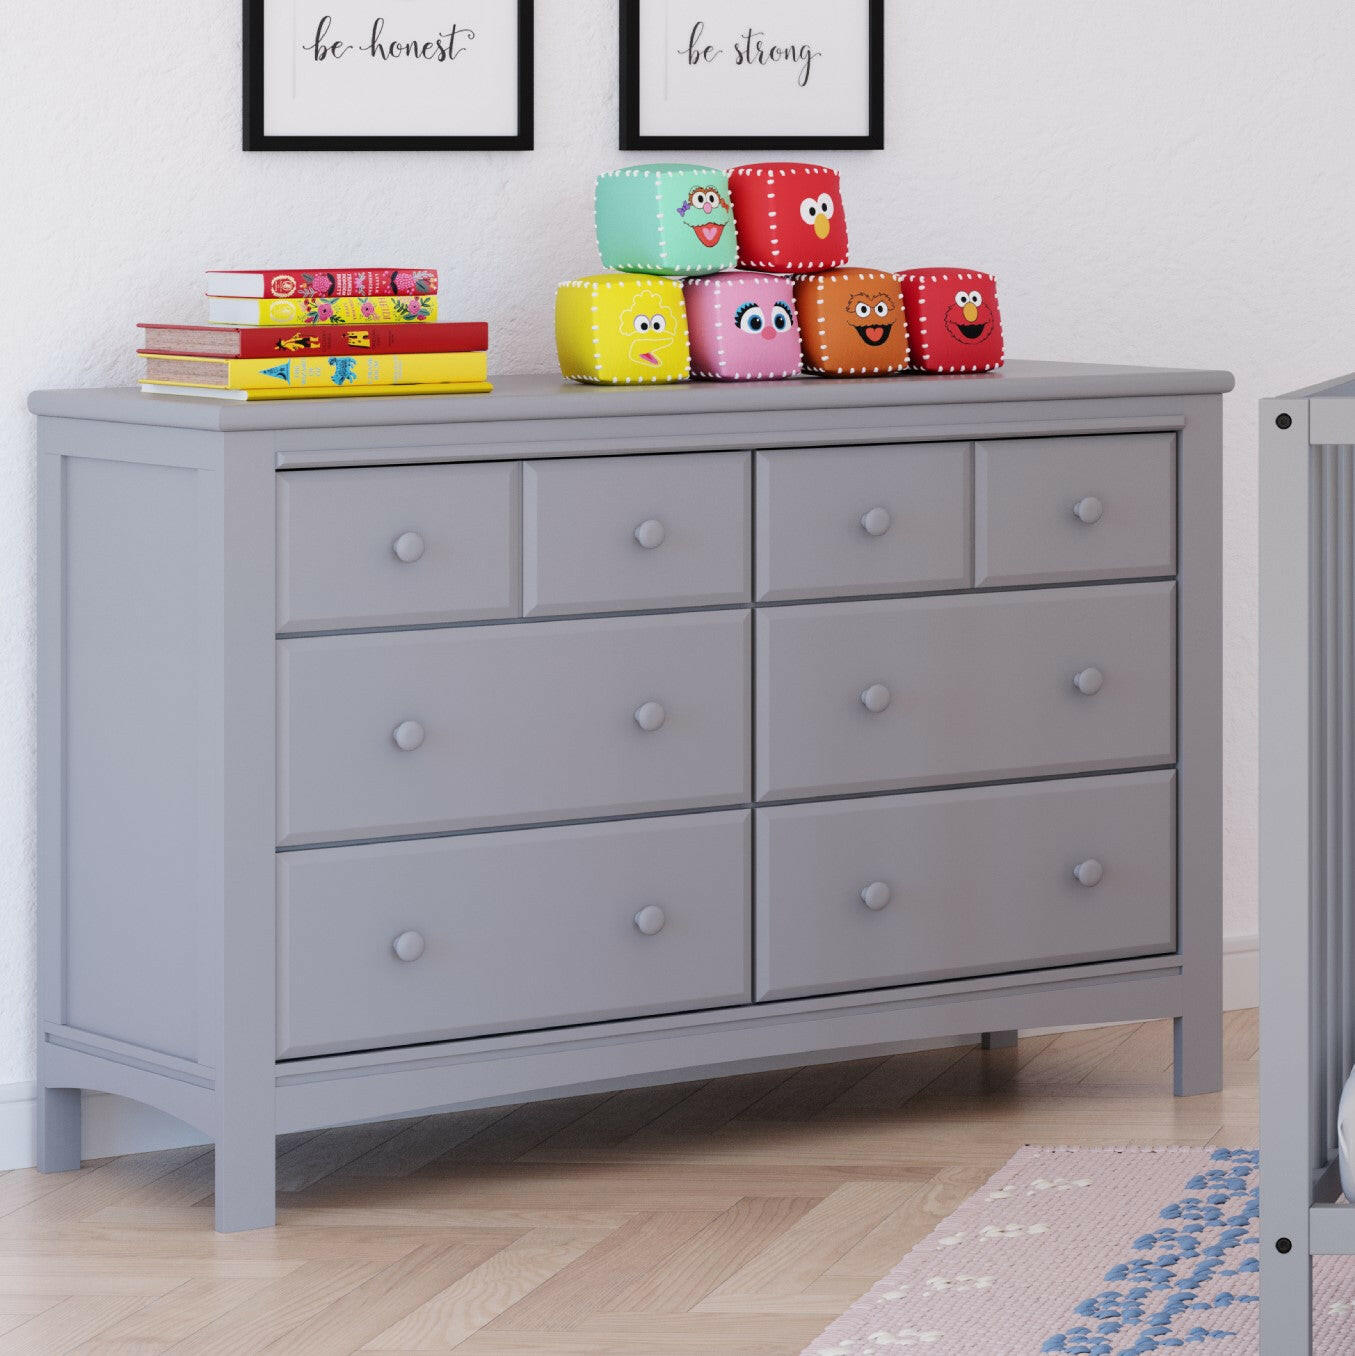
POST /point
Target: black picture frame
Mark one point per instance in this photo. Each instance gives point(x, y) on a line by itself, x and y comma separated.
point(633, 139)
point(252, 92)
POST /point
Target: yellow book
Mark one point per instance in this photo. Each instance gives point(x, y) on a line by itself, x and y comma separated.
point(317, 392)
point(321, 310)
point(343, 371)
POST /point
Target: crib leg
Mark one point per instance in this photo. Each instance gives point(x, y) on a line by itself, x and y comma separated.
point(1197, 1051)
point(1286, 1302)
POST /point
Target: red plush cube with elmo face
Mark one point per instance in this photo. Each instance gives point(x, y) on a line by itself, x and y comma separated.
point(953, 319)
point(789, 217)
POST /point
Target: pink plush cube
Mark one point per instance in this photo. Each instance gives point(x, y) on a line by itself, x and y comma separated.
point(743, 326)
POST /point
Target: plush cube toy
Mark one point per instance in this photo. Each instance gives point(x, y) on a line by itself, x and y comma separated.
point(853, 323)
point(743, 327)
point(666, 219)
point(790, 217)
point(953, 319)
point(618, 329)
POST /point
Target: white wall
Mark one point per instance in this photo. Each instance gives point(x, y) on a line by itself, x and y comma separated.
point(1152, 182)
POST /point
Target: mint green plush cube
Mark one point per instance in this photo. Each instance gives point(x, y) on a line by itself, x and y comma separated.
point(674, 220)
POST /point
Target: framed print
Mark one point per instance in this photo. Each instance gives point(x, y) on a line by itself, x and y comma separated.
point(403, 75)
point(752, 75)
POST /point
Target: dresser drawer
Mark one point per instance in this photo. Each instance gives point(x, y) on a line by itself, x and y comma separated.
point(423, 731)
point(397, 546)
point(834, 521)
point(511, 931)
point(1054, 509)
point(615, 534)
point(964, 883)
point(910, 692)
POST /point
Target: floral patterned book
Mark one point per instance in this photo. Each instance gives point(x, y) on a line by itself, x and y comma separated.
point(163, 388)
point(385, 369)
point(370, 310)
point(322, 282)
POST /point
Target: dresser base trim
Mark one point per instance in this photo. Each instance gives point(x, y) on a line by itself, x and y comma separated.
point(434, 1078)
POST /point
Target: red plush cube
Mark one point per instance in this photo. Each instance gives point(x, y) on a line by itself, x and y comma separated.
point(789, 217)
point(953, 319)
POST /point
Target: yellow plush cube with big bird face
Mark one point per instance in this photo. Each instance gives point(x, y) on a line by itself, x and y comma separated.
point(622, 329)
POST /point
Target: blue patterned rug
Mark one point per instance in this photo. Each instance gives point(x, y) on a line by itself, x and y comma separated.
point(1091, 1252)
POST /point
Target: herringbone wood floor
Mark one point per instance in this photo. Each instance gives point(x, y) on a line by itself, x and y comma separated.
point(728, 1218)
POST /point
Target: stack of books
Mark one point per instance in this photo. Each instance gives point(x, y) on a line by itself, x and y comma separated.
point(277, 334)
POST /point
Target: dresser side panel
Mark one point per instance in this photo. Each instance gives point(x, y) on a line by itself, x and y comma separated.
point(129, 631)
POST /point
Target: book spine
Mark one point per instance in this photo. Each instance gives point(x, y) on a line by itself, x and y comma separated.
point(349, 282)
point(304, 340)
point(347, 310)
point(318, 393)
point(389, 369)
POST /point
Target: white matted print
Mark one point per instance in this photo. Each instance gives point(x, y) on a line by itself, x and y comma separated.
point(752, 73)
point(395, 74)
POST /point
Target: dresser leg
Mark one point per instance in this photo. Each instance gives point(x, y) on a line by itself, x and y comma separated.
point(999, 1040)
point(1197, 1051)
point(59, 1129)
point(246, 1181)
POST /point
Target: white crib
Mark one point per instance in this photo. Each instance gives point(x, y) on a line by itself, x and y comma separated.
point(1307, 713)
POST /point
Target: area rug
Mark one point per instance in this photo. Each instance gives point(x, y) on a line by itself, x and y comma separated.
point(1092, 1252)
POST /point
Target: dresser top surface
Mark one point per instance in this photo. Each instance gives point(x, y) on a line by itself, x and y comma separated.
point(525, 397)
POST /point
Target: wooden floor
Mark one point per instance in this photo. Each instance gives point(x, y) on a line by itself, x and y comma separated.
point(728, 1218)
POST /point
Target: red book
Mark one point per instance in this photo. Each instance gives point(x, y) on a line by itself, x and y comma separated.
point(322, 282)
point(249, 341)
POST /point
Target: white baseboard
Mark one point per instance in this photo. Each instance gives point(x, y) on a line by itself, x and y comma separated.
point(114, 1125)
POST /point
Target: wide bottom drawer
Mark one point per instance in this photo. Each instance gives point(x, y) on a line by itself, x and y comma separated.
point(868, 893)
point(392, 944)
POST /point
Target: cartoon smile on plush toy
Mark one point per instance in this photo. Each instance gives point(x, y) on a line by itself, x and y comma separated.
point(872, 317)
point(969, 320)
point(650, 323)
point(707, 213)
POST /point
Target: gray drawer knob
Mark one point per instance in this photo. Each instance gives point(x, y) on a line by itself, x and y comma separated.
point(875, 698)
point(650, 533)
point(408, 735)
point(409, 547)
point(650, 716)
point(650, 920)
point(1089, 510)
point(1088, 681)
point(1089, 873)
point(408, 946)
point(876, 895)
point(876, 522)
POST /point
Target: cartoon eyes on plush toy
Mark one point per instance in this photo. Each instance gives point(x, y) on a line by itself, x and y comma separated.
point(969, 320)
point(707, 213)
point(871, 317)
point(751, 319)
point(818, 213)
point(647, 322)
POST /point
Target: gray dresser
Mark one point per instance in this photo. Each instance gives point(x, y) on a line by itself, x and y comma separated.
point(407, 754)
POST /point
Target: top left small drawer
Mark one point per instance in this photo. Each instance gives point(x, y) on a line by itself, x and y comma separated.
point(398, 546)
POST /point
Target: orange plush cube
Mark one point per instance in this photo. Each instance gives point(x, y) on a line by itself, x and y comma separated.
point(852, 322)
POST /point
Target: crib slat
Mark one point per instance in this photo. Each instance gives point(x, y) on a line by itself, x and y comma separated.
point(1341, 1053)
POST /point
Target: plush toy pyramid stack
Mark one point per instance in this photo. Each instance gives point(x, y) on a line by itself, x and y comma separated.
point(744, 276)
